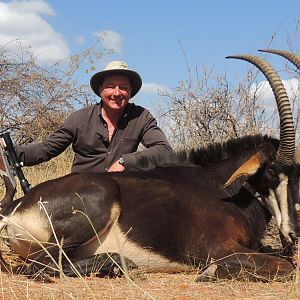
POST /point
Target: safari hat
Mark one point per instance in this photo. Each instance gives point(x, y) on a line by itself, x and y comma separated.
point(117, 67)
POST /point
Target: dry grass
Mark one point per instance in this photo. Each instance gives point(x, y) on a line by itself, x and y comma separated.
point(148, 286)
point(143, 285)
point(55, 168)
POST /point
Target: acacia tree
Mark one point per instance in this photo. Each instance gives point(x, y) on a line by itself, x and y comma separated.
point(209, 110)
point(34, 100)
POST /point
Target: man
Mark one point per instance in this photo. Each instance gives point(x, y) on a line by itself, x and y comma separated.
point(104, 136)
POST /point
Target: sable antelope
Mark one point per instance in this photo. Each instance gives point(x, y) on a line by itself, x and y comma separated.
point(207, 205)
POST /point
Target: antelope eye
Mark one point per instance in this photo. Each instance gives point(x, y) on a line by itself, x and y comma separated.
point(270, 173)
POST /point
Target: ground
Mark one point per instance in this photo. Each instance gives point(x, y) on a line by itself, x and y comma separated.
point(149, 286)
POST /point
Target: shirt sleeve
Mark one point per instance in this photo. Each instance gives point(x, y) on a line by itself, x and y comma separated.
point(53, 145)
point(155, 143)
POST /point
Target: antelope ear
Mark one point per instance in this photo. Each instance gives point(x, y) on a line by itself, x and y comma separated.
point(248, 168)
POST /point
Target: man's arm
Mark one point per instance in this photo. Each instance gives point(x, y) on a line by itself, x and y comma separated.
point(35, 153)
point(155, 143)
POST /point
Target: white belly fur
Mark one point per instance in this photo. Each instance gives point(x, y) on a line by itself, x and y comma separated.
point(114, 240)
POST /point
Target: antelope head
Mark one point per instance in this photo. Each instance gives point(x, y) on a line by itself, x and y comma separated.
point(280, 173)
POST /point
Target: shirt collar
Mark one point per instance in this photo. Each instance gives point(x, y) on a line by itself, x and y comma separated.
point(125, 114)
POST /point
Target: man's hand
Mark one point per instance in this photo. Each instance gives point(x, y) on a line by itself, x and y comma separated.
point(116, 167)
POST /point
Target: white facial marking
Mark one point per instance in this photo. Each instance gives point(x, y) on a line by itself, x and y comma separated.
point(282, 195)
point(274, 208)
point(278, 203)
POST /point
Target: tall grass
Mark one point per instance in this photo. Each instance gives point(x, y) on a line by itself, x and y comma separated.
point(57, 167)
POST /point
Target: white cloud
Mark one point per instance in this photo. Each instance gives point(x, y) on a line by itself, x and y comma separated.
point(31, 6)
point(154, 88)
point(151, 94)
point(292, 87)
point(111, 40)
point(80, 40)
point(22, 21)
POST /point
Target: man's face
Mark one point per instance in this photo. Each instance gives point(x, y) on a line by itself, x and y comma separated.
point(115, 91)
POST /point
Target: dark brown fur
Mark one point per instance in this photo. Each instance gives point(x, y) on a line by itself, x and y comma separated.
point(179, 211)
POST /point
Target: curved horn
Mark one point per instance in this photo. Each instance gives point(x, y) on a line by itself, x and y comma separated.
point(286, 150)
point(295, 60)
point(292, 57)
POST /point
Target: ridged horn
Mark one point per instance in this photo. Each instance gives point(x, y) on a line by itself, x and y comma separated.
point(286, 149)
point(295, 60)
point(290, 56)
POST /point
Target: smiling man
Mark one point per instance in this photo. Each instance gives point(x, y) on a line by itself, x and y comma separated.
point(104, 136)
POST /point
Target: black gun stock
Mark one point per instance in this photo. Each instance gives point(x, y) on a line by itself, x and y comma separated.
point(14, 162)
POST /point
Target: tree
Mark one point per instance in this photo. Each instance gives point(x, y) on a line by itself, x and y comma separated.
point(205, 108)
point(36, 99)
point(209, 110)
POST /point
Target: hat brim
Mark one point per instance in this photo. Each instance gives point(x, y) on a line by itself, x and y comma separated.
point(134, 78)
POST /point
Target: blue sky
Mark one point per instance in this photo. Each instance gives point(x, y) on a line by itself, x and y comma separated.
point(150, 35)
